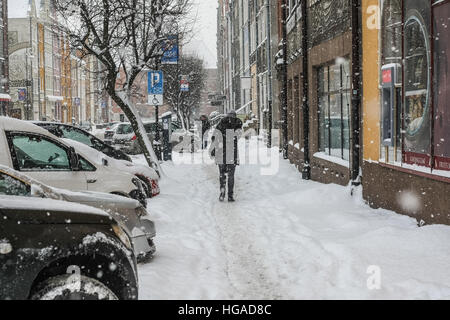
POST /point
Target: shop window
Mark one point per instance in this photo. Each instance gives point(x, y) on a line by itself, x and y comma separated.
point(391, 80)
point(442, 86)
point(334, 109)
point(417, 86)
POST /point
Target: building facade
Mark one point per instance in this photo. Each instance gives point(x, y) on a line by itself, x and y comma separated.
point(319, 89)
point(5, 98)
point(406, 55)
point(49, 80)
point(247, 40)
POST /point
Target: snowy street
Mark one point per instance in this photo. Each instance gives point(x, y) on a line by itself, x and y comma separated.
point(285, 238)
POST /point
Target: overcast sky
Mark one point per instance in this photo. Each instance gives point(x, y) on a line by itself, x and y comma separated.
point(205, 29)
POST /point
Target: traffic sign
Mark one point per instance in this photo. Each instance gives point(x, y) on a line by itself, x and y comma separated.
point(155, 100)
point(155, 83)
point(170, 50)
point(155, 88)
point(184, 84)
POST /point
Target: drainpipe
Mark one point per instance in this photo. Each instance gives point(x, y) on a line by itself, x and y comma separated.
point(269, 68)
point(284, 80)
point(356, 93)
point(306, 172)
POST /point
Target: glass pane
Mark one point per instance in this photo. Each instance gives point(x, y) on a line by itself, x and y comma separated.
point(391, 32)
point(336, 125)
point(324, 144)
point(442, 80)
point(77, 135)
point(36, 153)
point(417, 98)
point(86, 166)
point(346, 75)
point(335, 78)
point(12, 187)
point(323, 80)
point(346, 124)
point(124, 129)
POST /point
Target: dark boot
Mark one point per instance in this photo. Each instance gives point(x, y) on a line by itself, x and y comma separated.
point(223, 181)
point(222, 194)
point(231, 171)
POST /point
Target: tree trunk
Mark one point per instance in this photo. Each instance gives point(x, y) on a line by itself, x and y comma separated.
point(138, 126)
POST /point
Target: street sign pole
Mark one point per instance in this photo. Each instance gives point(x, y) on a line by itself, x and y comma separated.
point(157, 137)
point(156, 99)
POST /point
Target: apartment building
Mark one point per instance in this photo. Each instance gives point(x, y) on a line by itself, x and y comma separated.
point(49, 80)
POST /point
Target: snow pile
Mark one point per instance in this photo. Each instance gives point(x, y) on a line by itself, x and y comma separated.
point(286, 238)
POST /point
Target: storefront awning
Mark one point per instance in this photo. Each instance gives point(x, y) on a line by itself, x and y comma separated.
point(5, 97)
point(54, 98)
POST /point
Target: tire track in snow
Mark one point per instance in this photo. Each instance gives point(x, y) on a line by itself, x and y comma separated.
point(246, 271)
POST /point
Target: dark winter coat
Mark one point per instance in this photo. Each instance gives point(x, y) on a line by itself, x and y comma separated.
point(226, 148)
point(206, 125)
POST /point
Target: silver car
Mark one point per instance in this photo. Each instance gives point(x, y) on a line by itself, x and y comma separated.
point(129, 213)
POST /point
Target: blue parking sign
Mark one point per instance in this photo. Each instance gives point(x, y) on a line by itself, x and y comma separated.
point(170, 50)
point(155, 83)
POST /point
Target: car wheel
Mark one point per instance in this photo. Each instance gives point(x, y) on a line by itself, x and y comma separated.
point(147, 187)
point(72, 287)
point(139, 196)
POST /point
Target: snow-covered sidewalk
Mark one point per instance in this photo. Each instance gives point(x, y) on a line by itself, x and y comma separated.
point(285, 238)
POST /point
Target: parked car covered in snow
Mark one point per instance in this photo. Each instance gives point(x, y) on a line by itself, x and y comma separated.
point(147, 175)
point(55, 250)
point(71, 132)
point(125, 139)
point(86, 126)
point(128, 212)
point(44, 157)
point(109, 132)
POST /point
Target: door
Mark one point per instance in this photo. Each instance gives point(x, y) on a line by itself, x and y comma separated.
point(45, 160)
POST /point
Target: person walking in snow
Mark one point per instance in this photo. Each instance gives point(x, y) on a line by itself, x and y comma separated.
point(225, 148)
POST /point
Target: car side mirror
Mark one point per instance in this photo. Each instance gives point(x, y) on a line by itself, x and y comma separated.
point(36, 192)
point(105, 162)
point(74, 160)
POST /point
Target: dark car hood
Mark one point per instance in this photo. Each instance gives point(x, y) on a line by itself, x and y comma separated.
point(28, 210)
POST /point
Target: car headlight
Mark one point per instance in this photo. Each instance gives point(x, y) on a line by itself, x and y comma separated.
point(122, 235)
point(141, 212)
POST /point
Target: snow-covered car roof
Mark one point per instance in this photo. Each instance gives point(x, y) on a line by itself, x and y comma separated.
point(12, 124)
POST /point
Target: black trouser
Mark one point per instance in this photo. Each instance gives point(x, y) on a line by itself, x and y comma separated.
point(227, 169)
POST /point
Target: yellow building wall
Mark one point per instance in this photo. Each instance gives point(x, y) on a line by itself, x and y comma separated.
point(371, 78)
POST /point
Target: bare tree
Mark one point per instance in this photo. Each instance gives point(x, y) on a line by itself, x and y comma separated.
point(184, 104)
point(126, 36)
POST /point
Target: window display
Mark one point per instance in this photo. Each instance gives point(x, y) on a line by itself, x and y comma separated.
point(424, 82)
point(417, 98)
point(417, 84)
point(391, 81)
point(442, 86)
point(334, 109)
